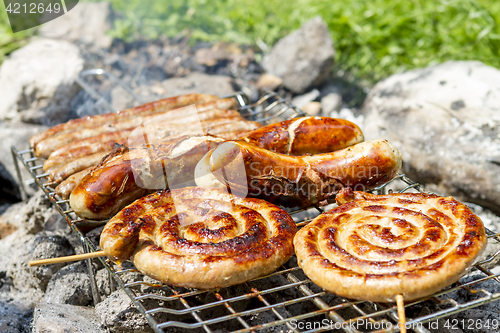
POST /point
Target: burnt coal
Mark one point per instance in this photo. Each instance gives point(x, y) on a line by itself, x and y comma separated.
point(50, 247)
point(71, 285)
point(9, 190)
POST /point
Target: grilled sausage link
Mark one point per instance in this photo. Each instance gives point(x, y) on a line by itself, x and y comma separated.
point(125, 176)
point(295, 137)
point(45, 147)
point(59, 174)
point(67, 186)
point(108, 118)
point(301, 181)
point(156, 133)
point(306, 136)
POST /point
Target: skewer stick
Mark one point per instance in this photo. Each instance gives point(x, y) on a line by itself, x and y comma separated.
point(401, 313)
point(66, 259)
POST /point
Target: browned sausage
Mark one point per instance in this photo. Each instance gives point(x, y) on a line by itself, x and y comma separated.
point(302, 181)
point(119, 136)
point(108, 118)
point(68, 169)
point(124, 176)
point(306, 136)
point(156, 133)
point(45, 147)
point(72, 154)
point(67, 186)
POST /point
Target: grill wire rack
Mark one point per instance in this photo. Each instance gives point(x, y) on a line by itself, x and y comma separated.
point(285, 300)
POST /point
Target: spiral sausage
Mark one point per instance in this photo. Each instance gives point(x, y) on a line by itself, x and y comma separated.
point(374, 247)
point(200, 238)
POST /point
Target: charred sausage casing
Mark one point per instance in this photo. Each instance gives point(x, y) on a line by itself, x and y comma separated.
point(302, 181)
point(306, 136)
point(108, 118)
point(46, 146)
point(125, 175)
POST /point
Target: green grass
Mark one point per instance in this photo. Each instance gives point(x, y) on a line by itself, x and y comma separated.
point(8, 40)
point(372, 39)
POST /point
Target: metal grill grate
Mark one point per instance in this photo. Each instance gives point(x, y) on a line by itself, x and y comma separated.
point(285, 300)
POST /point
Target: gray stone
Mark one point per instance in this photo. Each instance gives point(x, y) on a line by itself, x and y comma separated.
point(38, 82)
point(268, 81)
point(30, 216)
point(20, 284)
point(490, 219)
point(62, 318)
point(54, 247)
point(196, 83)
point(41, 246)
point(304, 58)
point(302, 100)
point(71, 285)
point(445, 121)
point(24, 286)
point(465, 320)
point(119, 314)
point(87, 23)
point(331, 102)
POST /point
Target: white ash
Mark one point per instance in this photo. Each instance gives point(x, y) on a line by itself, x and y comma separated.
point(14, 319)
point(66, 318)
point(350, 115)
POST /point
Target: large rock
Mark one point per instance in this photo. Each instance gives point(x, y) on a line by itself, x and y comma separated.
point(445, 120)
point(87, 23)
point(61, 318)
point(70, 285)
point(304, 58)
point(28, 242)
point(38, 82)
point(50, 247)
point(119, 314)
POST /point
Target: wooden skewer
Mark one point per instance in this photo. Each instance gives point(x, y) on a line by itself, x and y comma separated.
point(401, 313)
point(66, 259)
